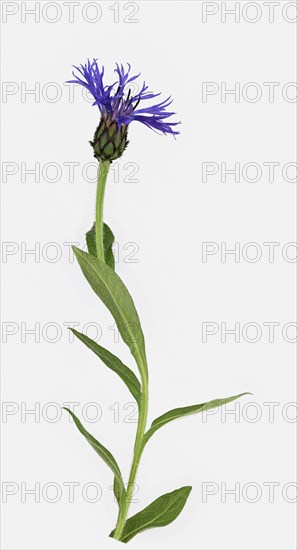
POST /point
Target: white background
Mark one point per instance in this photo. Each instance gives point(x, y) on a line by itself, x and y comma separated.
point(168, 213)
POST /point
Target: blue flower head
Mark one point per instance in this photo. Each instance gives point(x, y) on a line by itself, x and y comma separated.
point(118, 108)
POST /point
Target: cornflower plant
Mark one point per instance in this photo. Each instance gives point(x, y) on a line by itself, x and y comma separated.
point(118, 109)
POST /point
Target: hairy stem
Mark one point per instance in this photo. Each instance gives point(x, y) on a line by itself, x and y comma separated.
point(101, 182)
point(138, 448)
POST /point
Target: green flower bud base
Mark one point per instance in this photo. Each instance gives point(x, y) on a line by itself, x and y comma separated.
point(109, 141)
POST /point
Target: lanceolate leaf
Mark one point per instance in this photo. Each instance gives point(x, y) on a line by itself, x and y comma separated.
point(114, 294)
point(184, 411)
point(159, 513)
point(108, 240)
point(103, 453)
point(113, 363)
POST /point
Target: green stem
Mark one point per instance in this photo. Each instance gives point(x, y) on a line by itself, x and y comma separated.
point(138, 448)
point(143, 406)
point(101, 182)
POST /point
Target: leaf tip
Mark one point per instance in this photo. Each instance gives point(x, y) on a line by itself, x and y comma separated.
point(76, 250)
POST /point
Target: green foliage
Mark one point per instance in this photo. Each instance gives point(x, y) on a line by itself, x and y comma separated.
point(111, 290)
point(104, 454)
point(108, 240)
point(113, 363)
point(184, 411)
point(159, 513)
